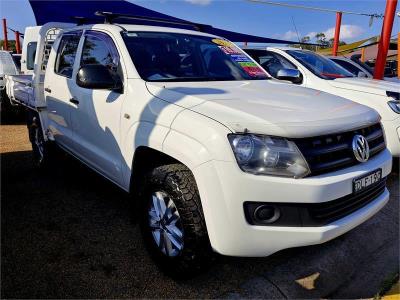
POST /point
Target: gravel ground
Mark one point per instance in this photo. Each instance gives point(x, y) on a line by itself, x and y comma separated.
point(71, 234)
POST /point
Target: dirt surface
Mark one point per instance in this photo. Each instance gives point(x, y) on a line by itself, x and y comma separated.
point(69, 233)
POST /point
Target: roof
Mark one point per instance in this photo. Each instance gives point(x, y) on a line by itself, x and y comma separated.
point(283, 48)
point(130, 27)
point(338, 57)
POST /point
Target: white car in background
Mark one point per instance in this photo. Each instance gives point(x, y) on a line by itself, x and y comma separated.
point(358, 68)
point(309, 69)
point(7, 67)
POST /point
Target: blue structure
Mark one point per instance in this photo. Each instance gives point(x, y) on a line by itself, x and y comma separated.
point(64, 11)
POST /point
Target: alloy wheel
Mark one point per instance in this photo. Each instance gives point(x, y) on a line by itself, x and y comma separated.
point(165, 224)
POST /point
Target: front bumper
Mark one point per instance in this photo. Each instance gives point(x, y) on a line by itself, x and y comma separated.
point(224, 188)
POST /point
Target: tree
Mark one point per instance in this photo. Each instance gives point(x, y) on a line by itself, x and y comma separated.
point(321, 40)
point(340, 42)
point(305, 39)
point(11, 45)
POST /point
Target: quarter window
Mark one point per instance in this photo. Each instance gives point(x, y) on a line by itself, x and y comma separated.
point(30, 55)
point(66, 54)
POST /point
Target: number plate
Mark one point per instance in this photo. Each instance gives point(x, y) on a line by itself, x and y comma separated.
point(362, 183)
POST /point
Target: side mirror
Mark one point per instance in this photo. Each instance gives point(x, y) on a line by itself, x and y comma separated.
point(361, 74)
point(98, 77)
point(292, 75)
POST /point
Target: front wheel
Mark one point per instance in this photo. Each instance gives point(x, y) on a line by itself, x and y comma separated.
point(172, 222)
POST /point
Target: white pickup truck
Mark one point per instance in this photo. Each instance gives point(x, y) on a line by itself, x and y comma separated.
point(217, 157)
point(309, 69)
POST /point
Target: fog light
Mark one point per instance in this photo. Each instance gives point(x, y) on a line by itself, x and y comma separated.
point(266, 214)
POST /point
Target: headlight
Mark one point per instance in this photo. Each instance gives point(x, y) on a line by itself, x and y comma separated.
point(395, 106)
point(267, 155)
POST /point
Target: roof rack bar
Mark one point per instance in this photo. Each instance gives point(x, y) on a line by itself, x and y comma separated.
point(109, 18)
point(79, 20)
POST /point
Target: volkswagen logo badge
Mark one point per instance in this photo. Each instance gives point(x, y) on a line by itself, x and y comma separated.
point(360, 148)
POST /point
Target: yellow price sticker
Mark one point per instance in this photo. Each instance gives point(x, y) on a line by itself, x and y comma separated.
point(222, 42)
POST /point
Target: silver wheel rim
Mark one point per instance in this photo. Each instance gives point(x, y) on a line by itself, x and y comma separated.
point(165, 224)
point(39, 144)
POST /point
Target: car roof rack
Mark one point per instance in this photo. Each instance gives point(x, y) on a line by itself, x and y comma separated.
point(109, 18)
point(79, 20)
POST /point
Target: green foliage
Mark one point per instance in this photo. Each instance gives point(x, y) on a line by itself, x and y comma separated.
point(320, 40)
point(11, 45)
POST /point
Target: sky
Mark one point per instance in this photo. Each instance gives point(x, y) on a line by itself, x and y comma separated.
point(248, 17)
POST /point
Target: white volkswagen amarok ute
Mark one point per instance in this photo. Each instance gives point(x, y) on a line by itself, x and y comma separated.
point(217, 156)
point(309, 69)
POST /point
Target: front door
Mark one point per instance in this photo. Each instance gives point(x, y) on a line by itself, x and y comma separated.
point(96, 114)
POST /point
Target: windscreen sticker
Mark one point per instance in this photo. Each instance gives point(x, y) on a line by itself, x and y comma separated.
point(249, 66)
point(240, 58)
point(222, 42)
point(253, 71)
point(230, 50)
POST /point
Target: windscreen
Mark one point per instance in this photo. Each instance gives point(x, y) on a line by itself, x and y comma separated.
point(319, 65)
point(160, 56)
point(364, 65)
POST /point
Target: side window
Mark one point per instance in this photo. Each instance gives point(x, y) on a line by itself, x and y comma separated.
point(99, 48)
point(348, 66)
point(30, 55)
point(273, 62)
point(66, 54)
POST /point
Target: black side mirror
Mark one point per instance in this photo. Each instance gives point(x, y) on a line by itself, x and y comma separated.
point(292, 75)
point(361, 74)
point(98, 77)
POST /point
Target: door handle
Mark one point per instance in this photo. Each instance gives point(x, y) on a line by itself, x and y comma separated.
point(48, 90)
point(74, 101)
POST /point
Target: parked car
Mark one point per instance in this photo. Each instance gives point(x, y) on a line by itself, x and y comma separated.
point(7, 67)
point(390, 67)
point(217, 157)
point(355, 66)
point(309, 69)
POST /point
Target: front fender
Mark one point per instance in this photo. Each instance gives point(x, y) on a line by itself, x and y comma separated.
point(141, 134)
point(195, 139)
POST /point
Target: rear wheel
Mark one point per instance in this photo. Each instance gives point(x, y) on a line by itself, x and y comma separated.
point(172, 222)
point(41, 149)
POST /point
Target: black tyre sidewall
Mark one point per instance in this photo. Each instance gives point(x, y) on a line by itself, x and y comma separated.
point(34, 127)
point(37, 160)
point(196, 244)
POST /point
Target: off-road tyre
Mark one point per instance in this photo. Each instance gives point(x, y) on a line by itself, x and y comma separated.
point(178, 182)
point(42, 150)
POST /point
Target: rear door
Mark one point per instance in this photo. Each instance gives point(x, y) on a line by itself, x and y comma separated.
point(58, 83)
point(96, 113)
